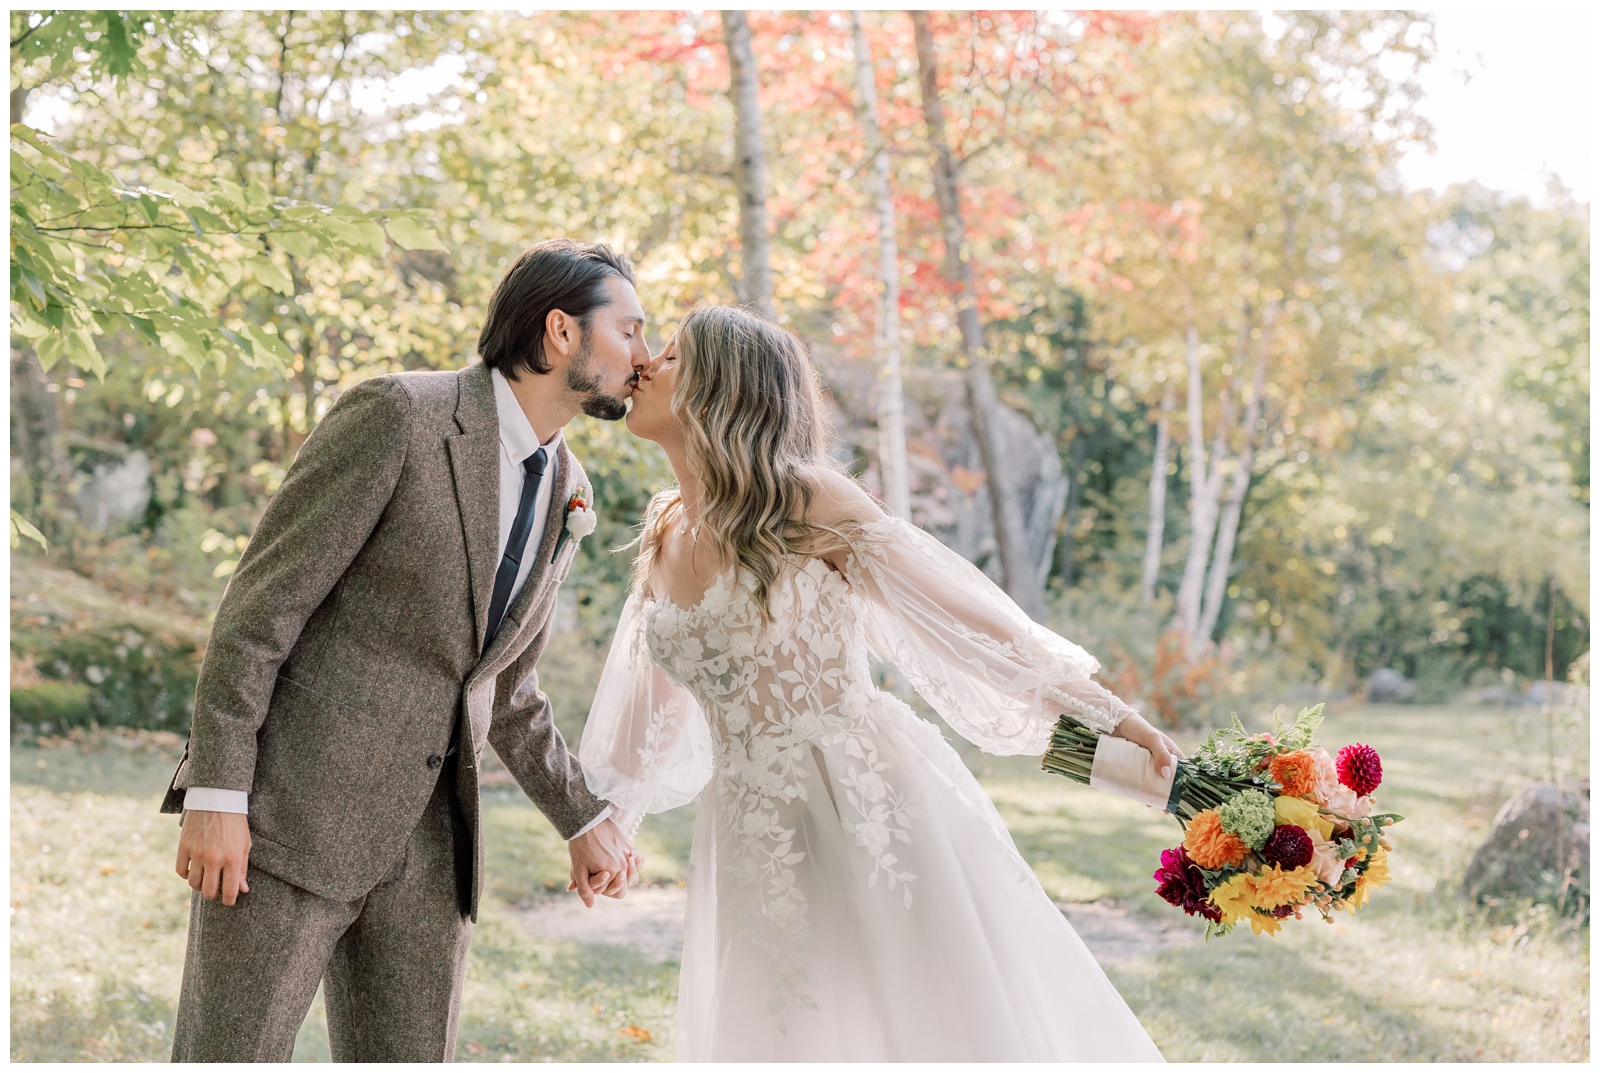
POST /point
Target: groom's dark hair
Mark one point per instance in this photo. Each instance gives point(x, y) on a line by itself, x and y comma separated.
point(555, 274)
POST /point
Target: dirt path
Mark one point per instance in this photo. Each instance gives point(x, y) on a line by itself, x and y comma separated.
point(650, 920)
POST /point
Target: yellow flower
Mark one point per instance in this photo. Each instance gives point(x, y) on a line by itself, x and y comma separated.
point(1376, 875)
point(1259, 924)
point(1273, 886)
point(1233, 899)
point(1302, 813)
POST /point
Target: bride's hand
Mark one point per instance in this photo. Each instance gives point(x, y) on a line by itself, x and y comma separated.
point(1164, 752)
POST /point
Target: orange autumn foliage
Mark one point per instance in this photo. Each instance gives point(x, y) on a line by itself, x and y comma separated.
point(1209, 845)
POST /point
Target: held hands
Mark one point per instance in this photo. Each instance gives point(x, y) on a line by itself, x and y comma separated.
point(214, 852)
point(603, 862)
point(1164, 752)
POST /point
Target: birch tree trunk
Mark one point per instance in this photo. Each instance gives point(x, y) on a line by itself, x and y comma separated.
point(1158, 500)
point(1228, 530)
point(1020, 580)
point(891, 394)
point(754, 286)
point(1205, 488)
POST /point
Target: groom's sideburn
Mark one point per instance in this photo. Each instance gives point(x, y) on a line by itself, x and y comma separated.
point(347, 690)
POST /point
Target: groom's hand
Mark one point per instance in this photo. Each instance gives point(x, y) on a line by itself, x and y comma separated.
point(603, 862)
point(214, 852)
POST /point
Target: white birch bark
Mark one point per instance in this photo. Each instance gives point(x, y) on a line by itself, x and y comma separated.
point(1020, 579)
point(1205, 488)
point(892, 461)
point(1158, 500)
point(1228, 529)
point(749, 165)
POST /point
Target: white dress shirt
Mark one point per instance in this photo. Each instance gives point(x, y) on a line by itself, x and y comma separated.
point(518, 442)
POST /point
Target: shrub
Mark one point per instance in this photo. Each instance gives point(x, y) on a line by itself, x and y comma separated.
point(50, 707)
point(124, 676)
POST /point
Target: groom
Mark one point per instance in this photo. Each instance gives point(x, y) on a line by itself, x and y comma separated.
point(386, 623)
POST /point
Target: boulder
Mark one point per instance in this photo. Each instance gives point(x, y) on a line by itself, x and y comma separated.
point(1538, 848)
point(1387, 685)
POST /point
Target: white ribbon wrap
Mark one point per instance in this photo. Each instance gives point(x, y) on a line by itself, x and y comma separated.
point(1128, 770)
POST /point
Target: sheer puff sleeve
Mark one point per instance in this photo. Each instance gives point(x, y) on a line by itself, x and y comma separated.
point(646, 746)
point(998, 678)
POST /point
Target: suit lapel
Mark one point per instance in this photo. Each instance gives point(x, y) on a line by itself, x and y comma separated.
point(475, 467)
point(555, 521)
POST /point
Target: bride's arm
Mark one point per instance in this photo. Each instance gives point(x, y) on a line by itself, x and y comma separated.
point(646, 746)
point(996, 676)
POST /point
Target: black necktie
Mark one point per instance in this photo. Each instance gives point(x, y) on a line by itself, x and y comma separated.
point(511, 562)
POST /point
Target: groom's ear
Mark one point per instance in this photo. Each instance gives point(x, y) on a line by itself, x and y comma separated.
point(561, 335)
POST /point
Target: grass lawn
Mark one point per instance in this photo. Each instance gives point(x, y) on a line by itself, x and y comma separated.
point(98, 921)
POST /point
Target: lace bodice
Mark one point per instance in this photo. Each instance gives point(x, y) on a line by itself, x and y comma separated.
point(685, 685)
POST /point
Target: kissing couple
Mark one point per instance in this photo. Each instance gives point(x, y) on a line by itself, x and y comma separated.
point(853, 894)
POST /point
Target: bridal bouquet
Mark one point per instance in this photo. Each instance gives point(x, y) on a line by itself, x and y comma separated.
point(1272, 823)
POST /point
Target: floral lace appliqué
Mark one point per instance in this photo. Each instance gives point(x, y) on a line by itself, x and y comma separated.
point(775, 694)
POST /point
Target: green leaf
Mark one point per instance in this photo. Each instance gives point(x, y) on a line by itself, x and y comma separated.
point(82, 352)
point(185, 344)
point(50, 349)
point(21, 527)
point(271, 275)
point(370, 237)
point(181, 195)
point(231, 195)
point(408, 234)
point(35, 288)
point(295, 243)
point(268, 344)
point(257, 197)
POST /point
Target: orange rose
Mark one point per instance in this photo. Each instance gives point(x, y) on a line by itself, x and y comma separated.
point(1296, 772)
point(1209, 845)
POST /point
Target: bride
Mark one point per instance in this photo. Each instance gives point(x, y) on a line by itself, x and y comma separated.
point(853, 895)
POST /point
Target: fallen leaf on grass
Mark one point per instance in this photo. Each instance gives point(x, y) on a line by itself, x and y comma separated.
point(634, 1032)
point(477, 1048)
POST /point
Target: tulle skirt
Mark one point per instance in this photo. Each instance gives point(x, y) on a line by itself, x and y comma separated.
point(814, 950)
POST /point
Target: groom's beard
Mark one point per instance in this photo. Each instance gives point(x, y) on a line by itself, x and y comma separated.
point(585, 382)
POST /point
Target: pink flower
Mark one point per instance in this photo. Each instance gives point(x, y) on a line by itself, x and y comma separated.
point(1325, 859)
point(1327, 776)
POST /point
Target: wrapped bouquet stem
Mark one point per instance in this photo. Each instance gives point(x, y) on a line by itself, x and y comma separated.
point(1272, 823)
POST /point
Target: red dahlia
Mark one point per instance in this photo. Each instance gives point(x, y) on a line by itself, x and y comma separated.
point(1182, 885)
point(1360, 769)
point(1288, 846)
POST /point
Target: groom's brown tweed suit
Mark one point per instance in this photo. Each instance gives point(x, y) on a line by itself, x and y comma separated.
point(346, 658)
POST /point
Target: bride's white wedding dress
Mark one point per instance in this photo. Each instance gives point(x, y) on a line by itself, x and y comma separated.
point(853, 895)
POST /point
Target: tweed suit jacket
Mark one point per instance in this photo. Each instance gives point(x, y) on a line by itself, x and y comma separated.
point(348, 647)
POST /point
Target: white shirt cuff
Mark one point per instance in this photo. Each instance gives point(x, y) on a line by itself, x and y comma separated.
point(204, 799)
point(605, 814)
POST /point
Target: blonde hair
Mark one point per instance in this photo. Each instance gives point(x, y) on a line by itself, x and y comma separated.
point(750, 407)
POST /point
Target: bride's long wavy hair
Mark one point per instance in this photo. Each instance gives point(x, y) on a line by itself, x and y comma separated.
point(748, 400)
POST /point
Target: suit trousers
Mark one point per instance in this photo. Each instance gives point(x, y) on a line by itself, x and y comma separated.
point(391, 961)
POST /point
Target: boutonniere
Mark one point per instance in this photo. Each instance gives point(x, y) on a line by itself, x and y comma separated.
point(581, 519)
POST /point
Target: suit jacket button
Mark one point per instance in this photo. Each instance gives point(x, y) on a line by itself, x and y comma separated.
point(435, 760)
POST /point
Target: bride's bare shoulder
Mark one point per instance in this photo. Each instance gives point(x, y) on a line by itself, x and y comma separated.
point(838, 499)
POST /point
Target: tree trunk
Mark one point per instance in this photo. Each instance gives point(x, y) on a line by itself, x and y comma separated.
point(1069, 541)
point(1020, 581)
point(749, 166)
point(19, 103)
point(1158, 501)
point(1205, 488)
point(891, 398)
point(1228, 531)
point(36, 433)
